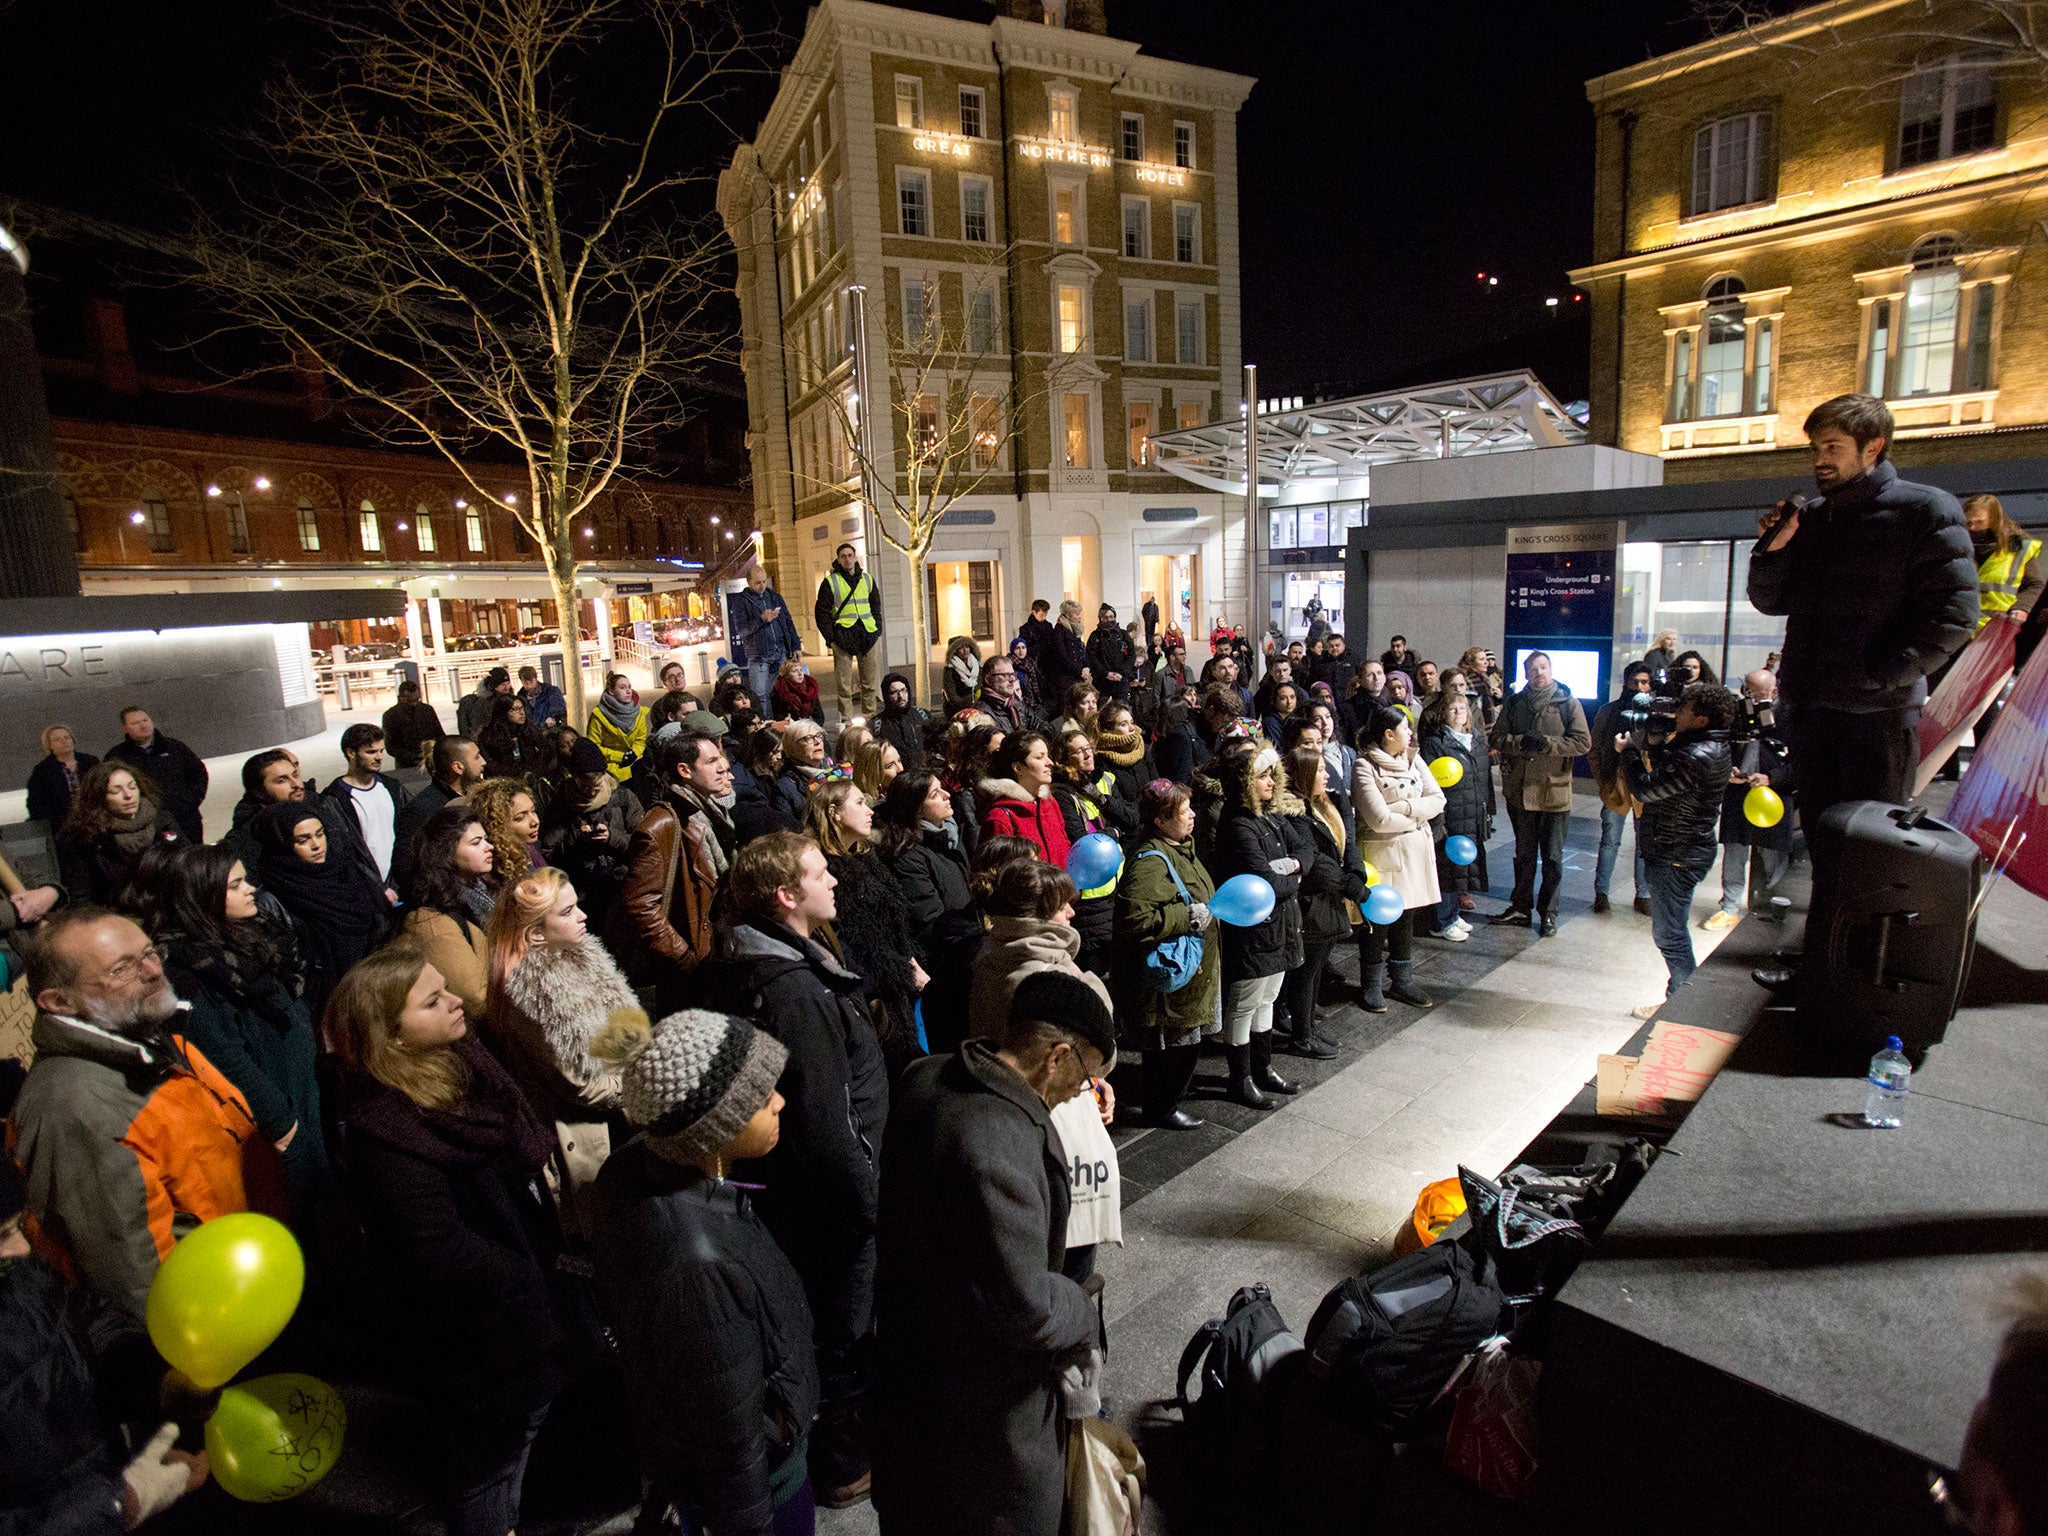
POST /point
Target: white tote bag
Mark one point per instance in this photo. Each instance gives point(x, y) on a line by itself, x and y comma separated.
point(1096, 1215)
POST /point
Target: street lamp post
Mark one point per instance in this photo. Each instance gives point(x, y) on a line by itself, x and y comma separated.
point(1251, 499)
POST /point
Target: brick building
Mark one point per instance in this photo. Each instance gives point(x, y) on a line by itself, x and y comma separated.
point(178, 480)
point(1066, 206)
point(1846, 199)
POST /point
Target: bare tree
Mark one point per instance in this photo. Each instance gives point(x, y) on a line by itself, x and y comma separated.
point(948, 421)
point(2003, 36)
point(472, 219)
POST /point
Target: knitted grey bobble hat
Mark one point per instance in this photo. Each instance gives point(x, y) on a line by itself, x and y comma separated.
point(699, 1080)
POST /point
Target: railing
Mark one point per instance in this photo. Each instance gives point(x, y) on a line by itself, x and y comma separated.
point(446, 678)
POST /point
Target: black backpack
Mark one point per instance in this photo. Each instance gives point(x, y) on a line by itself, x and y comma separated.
point(1245, 1358)
point(1382, 1347)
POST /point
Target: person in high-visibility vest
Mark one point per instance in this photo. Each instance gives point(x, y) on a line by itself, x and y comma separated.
point(849, 615)
point(2010, 571)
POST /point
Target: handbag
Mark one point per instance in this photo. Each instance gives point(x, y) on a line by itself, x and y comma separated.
point(1172, 963)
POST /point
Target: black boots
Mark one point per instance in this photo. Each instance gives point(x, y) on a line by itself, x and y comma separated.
point(1244, 1087)
point(1262, 1064)
point(1401, 985)
point(1166, 1073)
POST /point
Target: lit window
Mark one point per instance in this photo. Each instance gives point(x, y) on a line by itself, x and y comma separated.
point(309, 527)
point(1073, 319)
point(1188, 329)
point(985, 422)
point(1187, 233)
point(1681, 377)
point(1063, 126)
point(925, 427)
point(373, 532)
point(1721, 371)
point(157, 518)
point(1948, 110)
point(1184, 145)
point(423, 528)
point(1760, 369)
point(971, 107)
point(1927, 345)
point(1140, 415)
point(974, 201)
point(1137, 228)
point(1137, 330)
point(909, 102)
point(238, 525)
point(913, 202)
point(981, 322)
point(1190, 413)
point(1066, 214)
point(473, 528)
point(1133, 143)
point(1728, 162)
point(1074, 412)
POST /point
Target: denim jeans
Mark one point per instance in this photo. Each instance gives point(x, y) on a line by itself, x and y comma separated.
point(761, 678)
point(1671, 891)
point(1751, 875)
point(1611, 824)
point(484, 1500)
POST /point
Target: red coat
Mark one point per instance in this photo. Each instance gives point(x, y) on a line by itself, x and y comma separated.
point(1008, 811)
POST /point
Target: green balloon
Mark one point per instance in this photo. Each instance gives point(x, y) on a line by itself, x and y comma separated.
point(224, 1294)
point(273, 1437)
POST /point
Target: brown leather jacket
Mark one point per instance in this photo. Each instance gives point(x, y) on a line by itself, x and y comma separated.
point(662, 920)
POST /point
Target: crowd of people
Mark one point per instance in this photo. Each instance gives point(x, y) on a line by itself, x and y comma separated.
point(662, 1048)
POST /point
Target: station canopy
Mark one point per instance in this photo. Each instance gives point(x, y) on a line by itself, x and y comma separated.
point(1336, 441)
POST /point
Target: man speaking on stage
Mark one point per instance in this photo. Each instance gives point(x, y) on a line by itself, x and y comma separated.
point(1877, 584)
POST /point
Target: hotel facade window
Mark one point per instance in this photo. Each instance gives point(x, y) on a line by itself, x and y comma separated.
point(973, 107)
point(1132, 143)
point(1184, 145)
point(1073, 317)
point(984, 420)
point(423, 526)
point(909, 102)
point(1722, 363)
point(981, 321)
point(1069, 217)
point(1139, 415)
point(1062, 125)
point(1137, 229)
point(1728, 162)
point(372, 530)
point(1946, 111)
point(238, 525)
point(1191, 412)
point(473, 527)
point(975, 195)
point(1187, 327)
point(309, 527)
point(1932, 327)
point(925, 427)
point(1074, 431)
point(913, 202)
point(1138, 330)
point(1187, 233)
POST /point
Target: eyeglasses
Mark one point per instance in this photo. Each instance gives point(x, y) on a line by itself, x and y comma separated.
point(141, 964)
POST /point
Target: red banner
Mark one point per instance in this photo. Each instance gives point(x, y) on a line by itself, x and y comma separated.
point(1972, 683)
point(2004, 795)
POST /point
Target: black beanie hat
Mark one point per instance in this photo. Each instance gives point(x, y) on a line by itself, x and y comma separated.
point(1067, 1002)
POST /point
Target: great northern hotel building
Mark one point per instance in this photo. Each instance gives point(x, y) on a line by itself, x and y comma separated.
point(1068, 206)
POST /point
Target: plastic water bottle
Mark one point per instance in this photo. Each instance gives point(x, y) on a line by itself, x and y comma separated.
point(1890, 1072)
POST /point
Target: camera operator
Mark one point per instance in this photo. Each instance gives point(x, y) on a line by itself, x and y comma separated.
point(1680, 781)
point(1754, 859)
point(1878, 586)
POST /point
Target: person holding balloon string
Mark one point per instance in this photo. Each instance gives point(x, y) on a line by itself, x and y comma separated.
point(1395, 798)
point(1164, 900)
point(1456, 752)
point(1334, 881)
point(1091, 814)
point(1255, 837)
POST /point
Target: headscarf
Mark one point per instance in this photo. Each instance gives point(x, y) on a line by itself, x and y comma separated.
point(344, 913)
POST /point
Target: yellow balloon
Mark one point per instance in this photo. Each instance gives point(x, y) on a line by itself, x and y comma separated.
point(274, 1437)
point(1761, 807)
point(223, 1294)
point(1447, 771)
point(1372, 875)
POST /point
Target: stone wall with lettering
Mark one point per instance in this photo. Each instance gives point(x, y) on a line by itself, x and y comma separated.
point(216, 690)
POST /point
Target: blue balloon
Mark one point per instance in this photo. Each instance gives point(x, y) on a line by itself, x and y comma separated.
point(1242, 901)
point(1384, 905)
point(1094, 861)
point(1461, 850)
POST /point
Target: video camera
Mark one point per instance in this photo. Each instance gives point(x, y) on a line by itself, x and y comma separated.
point(1652, 716)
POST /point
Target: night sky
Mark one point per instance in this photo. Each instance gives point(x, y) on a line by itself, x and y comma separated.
point(1389, 153)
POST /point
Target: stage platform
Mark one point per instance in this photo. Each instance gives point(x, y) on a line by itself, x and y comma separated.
point(1789, 1322)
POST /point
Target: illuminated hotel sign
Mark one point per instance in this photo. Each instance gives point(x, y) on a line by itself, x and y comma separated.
point(1058, 152)
point(1163, 175)
point(942, 144)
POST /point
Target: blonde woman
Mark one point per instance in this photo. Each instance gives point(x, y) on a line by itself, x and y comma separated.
point(512, 821)
point(559, 1011)
point(873, 925)
point(875, 766)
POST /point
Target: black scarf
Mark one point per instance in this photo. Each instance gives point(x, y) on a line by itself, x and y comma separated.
point(345, 915)
point(248, 967)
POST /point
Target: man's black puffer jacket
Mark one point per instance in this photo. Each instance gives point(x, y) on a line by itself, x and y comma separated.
point(1681, 794)
point(1877, 588)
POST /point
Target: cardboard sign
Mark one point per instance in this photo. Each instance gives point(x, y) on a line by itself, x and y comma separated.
point(2004, 796)
point(1677, 1063)
point(1972, 683)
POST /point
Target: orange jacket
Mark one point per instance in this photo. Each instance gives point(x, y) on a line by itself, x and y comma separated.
point(126, 1145)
